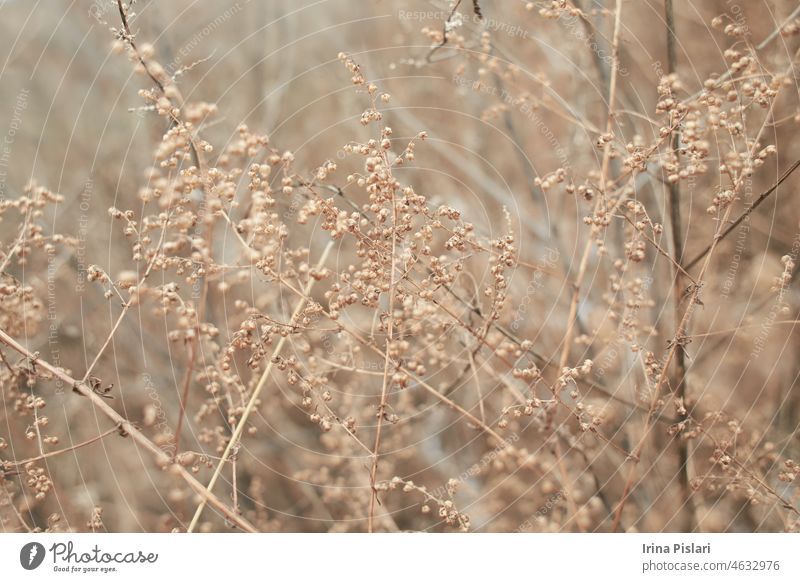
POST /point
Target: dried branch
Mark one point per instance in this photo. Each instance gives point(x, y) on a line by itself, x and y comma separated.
point(126, 428)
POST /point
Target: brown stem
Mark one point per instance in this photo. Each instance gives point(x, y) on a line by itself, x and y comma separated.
point(384, 387)
point(445, 38)
point(193, 349)
point(233, 443)
point(94, 439)
point(680, 333)
point(126, 428)
point(679, 379)
point(584, 263)
point(766, 194)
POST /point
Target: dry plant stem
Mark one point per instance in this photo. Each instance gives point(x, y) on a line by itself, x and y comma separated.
point(445, 39)
point(567, 484)
point(773, 35)
point(17, 242)
point(778, 29)
point(234, 484)
point(61, 451)
point(127, 305)
point(129, 38)
point(661, 251)
point(481, 338)
point(680, 333)
point(735, 330)
point(766, 194)
point(187, 382)
point(482, 408)
point(237, 433)
point(194, 347)
point(371, 346)
point(123, 15)
point(612, 95)
point(17, 514)
point(387, 359)
point(127, 428)
point(678, 283)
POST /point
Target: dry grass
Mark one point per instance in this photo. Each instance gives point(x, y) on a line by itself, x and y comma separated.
point(430, 266)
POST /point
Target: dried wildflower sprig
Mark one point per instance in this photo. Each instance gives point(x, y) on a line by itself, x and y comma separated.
point(411, 325)
point(735, 223)
point(157, 74)
point(126, 428)
point(737, 179)
point(242, 421)
point(446, 509)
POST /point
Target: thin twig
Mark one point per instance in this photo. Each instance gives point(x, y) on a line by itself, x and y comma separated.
point(127, 305)
point(128, 37)
point(18, 242)
point(445, 32)
point(240, 425)
point(680, 334)
point(680, 379)
point(94, 439)
point(387, 359)
point(127, 428)
point(612, 96)
point(746, 213)
point(660, 250)
point(194, 347)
